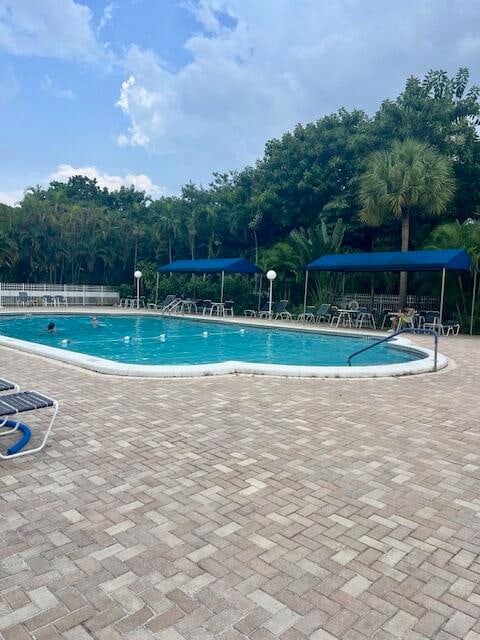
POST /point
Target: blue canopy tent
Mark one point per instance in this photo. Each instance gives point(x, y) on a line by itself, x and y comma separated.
point(429, 260)
point(214, 265)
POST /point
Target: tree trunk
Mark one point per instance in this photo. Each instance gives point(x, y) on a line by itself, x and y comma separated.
point(402, 297)
point(170, 248)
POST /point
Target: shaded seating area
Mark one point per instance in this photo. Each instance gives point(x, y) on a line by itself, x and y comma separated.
point(392, 261)
point(220, 266)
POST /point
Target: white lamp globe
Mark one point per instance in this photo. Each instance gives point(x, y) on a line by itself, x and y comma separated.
point(271, 275)
point(138, 274)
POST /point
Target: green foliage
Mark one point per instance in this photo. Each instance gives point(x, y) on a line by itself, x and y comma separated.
point(274, 212)
point(409, 178)
point(456, 235)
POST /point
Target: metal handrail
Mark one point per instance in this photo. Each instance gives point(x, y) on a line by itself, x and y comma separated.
point(393, 335)
point(174, 306)
point(171, 306)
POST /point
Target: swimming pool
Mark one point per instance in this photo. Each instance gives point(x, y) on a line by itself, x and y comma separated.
point(156, 345)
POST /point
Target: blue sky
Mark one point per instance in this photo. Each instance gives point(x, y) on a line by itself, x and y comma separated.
point(159, 92)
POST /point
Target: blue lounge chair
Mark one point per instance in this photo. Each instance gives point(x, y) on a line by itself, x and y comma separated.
point(253, 313)
point(281, 312)
point(6, 385)
point(307, 315)
point(323, 313)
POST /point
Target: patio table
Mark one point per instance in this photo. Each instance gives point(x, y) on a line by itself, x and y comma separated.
point(344, 315)
point(217, 308)
point(188, 306)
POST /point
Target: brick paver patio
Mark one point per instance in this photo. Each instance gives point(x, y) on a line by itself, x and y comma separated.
point(244, 507)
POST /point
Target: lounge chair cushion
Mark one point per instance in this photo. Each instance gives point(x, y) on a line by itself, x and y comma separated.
point(5, 385)
point(23, 401)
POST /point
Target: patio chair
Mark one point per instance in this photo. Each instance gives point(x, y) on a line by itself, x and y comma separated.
point(420, 317)
point(228, 308)
point(23, 299)
point(207, 307)
point(61, 300)
point(386, 317)
point(451, 327)
point(14, 403)
point(363, 316)
point(432, 321)
point(280, 311)
point(307, 316)
point(48, 301)
point(324, 313)
point(254, 313)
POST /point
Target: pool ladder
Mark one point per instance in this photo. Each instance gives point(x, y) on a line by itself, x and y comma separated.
point(171, 307)
point(397, 333)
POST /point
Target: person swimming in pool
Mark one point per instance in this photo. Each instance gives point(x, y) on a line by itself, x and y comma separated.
point(51, 327)
point(94, 322)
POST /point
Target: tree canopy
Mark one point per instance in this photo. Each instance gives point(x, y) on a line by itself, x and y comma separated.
point(80, 233)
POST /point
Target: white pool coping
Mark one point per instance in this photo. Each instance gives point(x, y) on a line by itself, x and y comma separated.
point(101, 365)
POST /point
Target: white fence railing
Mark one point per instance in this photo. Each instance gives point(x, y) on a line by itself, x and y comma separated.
point(384, 302)
point(25, 294)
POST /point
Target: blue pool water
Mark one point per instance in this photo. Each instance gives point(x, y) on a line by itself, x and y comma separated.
point(172, 341)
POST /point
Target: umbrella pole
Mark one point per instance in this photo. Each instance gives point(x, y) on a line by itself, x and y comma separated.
point(223, 285)
point(473, 298)
point(442, 295)
point(260, 292)
point(305, 293)
point(156, 290)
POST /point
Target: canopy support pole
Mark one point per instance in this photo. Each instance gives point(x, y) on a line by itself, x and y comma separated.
point(442, 294)
point(223, 285)
point(305, 293)
point(343, 287)
point(473, 298)
point(156, 290)
point(259, 291)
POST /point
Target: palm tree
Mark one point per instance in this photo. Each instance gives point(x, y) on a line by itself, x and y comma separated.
point(409, 179)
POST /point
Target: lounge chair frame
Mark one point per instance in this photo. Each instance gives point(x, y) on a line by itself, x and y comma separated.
point(4, 418)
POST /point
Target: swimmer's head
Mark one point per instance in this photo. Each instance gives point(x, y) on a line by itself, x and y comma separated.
point(51, 326)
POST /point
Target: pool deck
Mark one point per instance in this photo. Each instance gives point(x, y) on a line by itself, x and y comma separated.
point(246, 507)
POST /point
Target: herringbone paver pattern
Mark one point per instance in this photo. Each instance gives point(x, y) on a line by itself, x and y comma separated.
point(246, 507)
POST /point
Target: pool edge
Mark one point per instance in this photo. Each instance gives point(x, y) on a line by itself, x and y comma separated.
point(231, 367)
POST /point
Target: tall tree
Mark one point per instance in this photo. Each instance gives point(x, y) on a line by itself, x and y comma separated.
point(410, 179)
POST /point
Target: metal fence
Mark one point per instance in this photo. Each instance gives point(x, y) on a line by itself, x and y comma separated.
point(74, 295)
point(387, 302)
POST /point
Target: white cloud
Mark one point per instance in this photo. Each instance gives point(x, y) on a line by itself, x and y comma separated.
point(52, 88)
point(113, 183)
point(258, 68)
point(53, 28)
point(11, 197)
point(107, 15)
